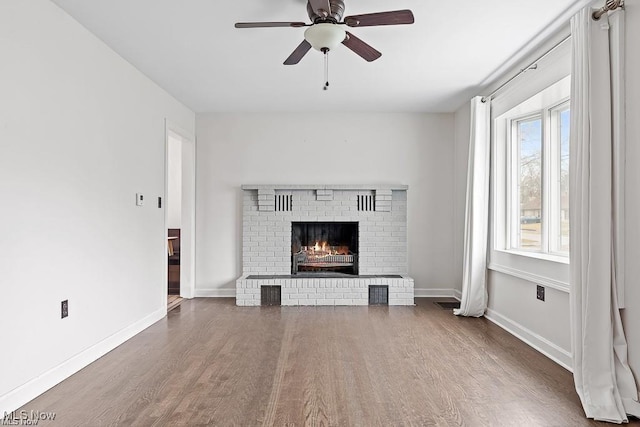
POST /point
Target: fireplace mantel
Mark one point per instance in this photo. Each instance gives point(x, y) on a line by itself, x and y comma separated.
point(353, 187)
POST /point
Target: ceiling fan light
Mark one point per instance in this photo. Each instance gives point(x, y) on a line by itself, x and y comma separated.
point(322, 36)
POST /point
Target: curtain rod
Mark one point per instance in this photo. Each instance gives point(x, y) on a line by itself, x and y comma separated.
point(609, 6)
point(532, 66)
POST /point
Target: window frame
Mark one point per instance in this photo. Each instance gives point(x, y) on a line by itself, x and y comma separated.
point(555, 176)
point(513, 175)
point(549, 115)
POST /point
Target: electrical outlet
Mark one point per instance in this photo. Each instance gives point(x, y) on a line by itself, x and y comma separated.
point(139, 199)
point(65, 308)
point(540, 293)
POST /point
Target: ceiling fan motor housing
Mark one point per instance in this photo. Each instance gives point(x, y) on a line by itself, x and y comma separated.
point(337, 12)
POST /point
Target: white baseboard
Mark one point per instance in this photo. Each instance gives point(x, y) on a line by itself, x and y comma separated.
point(35, 387)
point(559, 355)
point(435, 293)
point(216, 293)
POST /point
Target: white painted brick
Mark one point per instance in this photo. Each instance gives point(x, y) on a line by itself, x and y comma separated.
point(386, 243)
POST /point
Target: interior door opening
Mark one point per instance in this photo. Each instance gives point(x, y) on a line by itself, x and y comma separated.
point(179, 215)
point(174, 213)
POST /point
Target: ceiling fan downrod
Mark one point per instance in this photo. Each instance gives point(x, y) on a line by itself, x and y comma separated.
point(325, 50)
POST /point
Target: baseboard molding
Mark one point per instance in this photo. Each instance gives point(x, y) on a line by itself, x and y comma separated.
point(559, 355)
point(435, 293)
point(35, 387)
point(216, 293)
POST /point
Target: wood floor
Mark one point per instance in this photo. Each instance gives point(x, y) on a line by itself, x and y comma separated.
point(212, 363)
point(173, 301)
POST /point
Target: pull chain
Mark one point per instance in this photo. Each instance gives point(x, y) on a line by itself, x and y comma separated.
point(326, 68)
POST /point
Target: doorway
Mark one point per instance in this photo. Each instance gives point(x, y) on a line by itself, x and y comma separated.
point(179, 215)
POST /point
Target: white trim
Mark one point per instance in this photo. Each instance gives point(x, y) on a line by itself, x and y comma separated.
point(525, 275)
point(35, 387)
point(560, 259)
point(435, 293)
point(216, 293)
point(559, 355)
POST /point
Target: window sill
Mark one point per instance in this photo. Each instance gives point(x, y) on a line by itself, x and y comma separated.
point(537, 255)
point(542, 269)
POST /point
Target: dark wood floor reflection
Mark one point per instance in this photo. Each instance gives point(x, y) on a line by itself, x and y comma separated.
point(212, 363)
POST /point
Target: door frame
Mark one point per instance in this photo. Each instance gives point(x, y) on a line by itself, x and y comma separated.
point(188, 209)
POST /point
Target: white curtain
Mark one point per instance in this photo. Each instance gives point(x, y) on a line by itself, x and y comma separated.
point(474, 276)
point(604, 382)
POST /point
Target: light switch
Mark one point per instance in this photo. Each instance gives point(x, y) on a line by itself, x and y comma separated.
point(139, 199)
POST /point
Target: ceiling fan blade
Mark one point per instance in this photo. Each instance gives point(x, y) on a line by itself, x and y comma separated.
point(395, 17)
point(297, 54)
point(361, 48)
point(321, 7)
point(269, 24)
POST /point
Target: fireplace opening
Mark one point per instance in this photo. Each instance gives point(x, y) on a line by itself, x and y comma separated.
point(324, 247)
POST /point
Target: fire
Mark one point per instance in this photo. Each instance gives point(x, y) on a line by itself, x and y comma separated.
point(322, 249)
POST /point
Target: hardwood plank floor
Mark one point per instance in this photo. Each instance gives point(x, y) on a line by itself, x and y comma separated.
point(212, 363)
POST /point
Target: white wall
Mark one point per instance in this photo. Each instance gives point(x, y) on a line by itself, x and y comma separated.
point(81, 131)
point(288, 148)
point(512, 300)
point(174, 182)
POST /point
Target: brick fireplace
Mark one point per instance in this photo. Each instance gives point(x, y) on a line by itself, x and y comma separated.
point(324, 244)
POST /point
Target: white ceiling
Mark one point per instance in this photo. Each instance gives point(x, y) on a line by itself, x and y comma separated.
point(192, 50)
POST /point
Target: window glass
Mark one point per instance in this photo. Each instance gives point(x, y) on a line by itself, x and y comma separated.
point(530, 183)
point(563, 244)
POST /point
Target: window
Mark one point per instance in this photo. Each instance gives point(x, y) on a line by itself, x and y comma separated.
point(538, 182)
point(526, 183)
point(530, 212)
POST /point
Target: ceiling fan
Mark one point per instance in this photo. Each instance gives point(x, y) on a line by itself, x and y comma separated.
point(325, 32)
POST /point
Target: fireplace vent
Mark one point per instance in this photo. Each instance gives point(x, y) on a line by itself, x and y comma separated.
point(366, 202)
point(270, 295)
point(378, 295)
point(283, 202)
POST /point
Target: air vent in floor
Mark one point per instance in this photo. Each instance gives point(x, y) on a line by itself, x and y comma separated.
point(378, 295)
point(270, 295)
point(448, 305)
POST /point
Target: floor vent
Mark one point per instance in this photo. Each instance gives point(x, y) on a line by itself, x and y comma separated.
point(270, 295)
point(448, 305)
point(283, 202)
point(378, 295)
point(366, 203)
